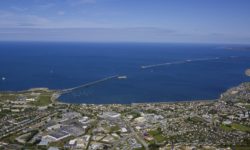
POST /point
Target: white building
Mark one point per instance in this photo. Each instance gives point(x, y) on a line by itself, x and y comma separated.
point(110, 115)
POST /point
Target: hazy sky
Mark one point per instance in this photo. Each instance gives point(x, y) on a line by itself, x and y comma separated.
point(226, 21)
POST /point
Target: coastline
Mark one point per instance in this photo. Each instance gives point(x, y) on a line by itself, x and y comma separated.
point(162, 102)
point(143, 103)
point(247, 72)
point(56, 93)
point(173, 102)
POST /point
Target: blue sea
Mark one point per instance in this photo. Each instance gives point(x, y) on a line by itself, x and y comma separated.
point(155, 72)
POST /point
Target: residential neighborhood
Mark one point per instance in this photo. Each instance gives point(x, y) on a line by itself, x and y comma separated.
point(33, 119)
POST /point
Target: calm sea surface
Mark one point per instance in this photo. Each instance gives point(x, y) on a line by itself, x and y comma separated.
point(172, 72)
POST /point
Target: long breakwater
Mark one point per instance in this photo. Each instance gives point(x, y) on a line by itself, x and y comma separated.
point(182, 62)
point(87, 84)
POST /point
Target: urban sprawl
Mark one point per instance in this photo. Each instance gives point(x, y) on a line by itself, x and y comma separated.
point(34, 119)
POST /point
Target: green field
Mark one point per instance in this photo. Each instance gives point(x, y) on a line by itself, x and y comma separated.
point(226, 128)
point(157, 135)
point(247, 107)
point(240, 127)
point(235, 126)
point(43, 100)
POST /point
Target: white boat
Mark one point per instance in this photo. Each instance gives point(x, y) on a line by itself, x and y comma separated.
point(122, 77)
point(3, 78)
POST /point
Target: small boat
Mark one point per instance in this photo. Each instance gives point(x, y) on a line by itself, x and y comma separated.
point(122, 77)
point(3, 78)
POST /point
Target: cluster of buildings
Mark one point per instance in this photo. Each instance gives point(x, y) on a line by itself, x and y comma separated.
point(224, 123)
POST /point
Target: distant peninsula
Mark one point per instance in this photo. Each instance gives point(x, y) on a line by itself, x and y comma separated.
point(244, 48)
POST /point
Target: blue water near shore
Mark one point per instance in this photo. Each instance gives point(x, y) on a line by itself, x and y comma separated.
point(25, 65)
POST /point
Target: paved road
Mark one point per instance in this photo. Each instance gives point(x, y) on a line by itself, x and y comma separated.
point(132, 134)
point(121, 141)
point(141, 140)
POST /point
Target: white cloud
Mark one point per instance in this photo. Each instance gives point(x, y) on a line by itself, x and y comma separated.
point(10, 19)
point(138, 34)
point(17, 20)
